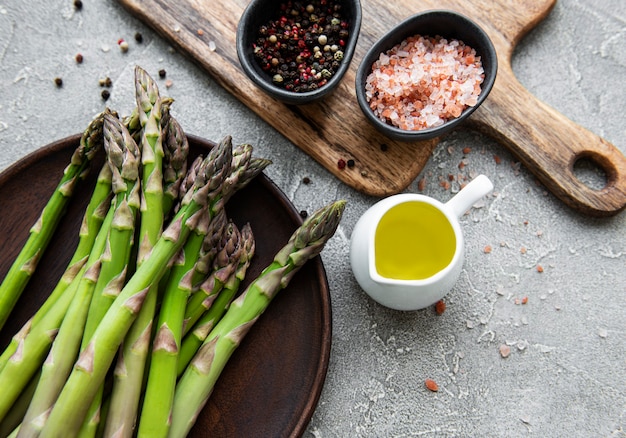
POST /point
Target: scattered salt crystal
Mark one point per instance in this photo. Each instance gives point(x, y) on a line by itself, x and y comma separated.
point(505, 350)
point(212, 46)
point(603, 333)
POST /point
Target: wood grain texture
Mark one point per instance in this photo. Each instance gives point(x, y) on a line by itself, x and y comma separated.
point(546, 142)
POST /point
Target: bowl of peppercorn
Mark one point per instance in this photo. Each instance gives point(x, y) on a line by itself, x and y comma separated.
point(298, 51)
point(426, 75)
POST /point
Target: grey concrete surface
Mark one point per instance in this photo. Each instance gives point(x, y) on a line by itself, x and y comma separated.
point(566, 372)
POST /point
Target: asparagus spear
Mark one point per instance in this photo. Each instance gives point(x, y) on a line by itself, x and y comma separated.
point(162, 378)
point(208, 250)
point(94, 362)
point(126, 394)
point(123, 155)
point(13, 419)
point(92, 221)
point(255, 167)
point(176, 151)
point(64, 349)
point(32, 350)
point(133, 124)
point(197, 382)
point(162, 373)
point(246, 169)
point(224, 266)
point(16, 340)
point(102, 280)
point(41, 232)
point(238, 180)
point(196, 336)
point(149, 108)
point(32, 347)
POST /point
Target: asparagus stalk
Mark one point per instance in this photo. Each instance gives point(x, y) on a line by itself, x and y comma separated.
point(129, 375)
point(14, 417)
point(162, 373)
point(238, 181)
point(208, 250)
point(162, 377)
point(245, 170)
point(93, 363)
point(102, 280)
point(198, 381)
point(41, 232)
point(92, 221)
point(224, 266)
point(196, 336)
point(61, 356)
point(16, 340)
point(176, 151)
point(32, 350)
point(149, 108)
point(133, 123)
point(125, 396)
point(123, 155)
point(255, 167)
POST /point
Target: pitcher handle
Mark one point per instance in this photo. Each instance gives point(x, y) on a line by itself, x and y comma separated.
point(476, 189)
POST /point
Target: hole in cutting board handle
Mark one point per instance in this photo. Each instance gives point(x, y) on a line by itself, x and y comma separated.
point(594, 170)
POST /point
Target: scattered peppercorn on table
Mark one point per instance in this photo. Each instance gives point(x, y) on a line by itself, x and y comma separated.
point(530, 339)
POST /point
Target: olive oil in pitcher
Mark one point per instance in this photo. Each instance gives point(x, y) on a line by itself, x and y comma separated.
point(413, 241)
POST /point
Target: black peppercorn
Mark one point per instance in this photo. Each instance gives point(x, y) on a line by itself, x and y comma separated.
point(162, 73)
point(58, 81)
point(105, 94)
point(302, 44)
point(78, 4)
point(139, 37)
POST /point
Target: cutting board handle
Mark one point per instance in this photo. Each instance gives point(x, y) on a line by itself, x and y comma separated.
point(550, 145)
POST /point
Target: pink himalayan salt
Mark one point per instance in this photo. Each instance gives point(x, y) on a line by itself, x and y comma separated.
point(423, 82)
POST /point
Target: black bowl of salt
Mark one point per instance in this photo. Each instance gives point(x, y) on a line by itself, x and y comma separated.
point(426, 75)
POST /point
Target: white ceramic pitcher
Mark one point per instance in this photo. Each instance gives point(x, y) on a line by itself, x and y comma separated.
point(424, 258)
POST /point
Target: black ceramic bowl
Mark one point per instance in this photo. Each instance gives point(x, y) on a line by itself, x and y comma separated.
point(449, 25)
point(260, 12)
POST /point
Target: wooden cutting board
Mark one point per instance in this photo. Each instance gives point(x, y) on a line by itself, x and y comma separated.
point(544, 140)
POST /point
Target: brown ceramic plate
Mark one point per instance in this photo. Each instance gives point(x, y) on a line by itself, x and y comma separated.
point(272, 383)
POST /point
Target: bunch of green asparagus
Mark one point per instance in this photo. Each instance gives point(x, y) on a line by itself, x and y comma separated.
point(133, 337)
